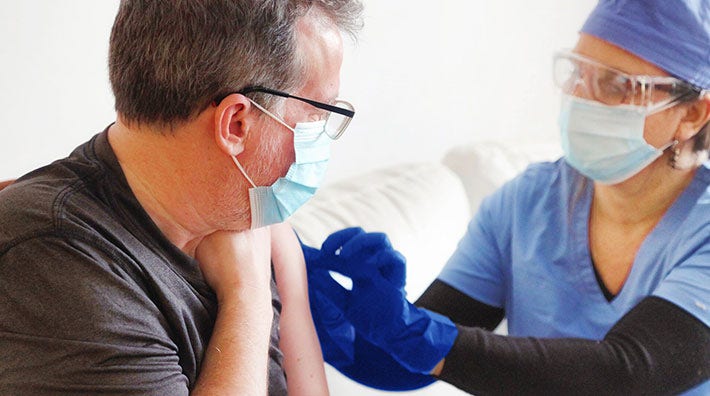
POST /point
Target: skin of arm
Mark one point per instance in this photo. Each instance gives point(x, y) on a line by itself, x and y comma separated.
point(5, 183)
point(237, 265)
point(303, 360)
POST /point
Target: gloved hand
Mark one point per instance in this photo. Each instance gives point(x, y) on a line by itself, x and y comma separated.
point(350, 353)
point(335, 334)
point(377, 306)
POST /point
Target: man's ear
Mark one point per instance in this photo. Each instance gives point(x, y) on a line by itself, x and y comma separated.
point(697, 116)
point(233, 120)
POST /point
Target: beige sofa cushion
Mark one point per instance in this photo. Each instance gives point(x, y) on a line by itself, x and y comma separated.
point(422, 207)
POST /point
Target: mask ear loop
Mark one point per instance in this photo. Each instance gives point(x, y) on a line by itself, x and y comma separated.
point(241, 169)
point(272, 115)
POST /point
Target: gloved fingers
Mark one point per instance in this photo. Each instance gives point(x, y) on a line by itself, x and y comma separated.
point(386, 268)
point(335, 333)
point(365, 244)
point(392, 266)
point(360, 267)
point(329, 313)
point(376, 309)
point(360, 256)
point(384, 262)
point(337, 239)
point(321, 282)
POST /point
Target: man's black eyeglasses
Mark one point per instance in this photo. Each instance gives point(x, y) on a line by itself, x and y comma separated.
point(324, 106)
point(339, 114)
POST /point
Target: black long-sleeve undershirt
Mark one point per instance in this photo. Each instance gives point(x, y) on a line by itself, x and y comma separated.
point(656, 348)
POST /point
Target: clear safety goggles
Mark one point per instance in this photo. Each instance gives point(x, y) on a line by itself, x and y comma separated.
point(575, 74)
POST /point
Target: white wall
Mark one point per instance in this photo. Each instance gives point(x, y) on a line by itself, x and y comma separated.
point(423, 78)
point(54, 90)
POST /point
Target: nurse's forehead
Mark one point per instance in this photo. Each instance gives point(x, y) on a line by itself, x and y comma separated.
point(615, 57)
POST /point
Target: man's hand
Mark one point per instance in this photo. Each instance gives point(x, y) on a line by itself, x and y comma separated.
point(232, 261)
point(237, 265)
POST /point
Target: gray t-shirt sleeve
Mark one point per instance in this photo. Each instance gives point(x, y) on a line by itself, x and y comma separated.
point(76, 321)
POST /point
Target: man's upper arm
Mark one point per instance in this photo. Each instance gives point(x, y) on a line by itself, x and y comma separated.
point(303, 360)
point(75, 322)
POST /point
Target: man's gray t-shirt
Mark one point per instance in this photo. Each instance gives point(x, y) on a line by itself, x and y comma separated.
point(93, 298)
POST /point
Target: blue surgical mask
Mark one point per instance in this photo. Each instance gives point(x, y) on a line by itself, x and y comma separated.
point(605, 143)
point(274, 204)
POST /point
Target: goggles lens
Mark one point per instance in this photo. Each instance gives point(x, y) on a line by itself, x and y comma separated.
point(577, 75)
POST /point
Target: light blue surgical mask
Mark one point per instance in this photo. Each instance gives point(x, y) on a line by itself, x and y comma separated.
point(274, 204)
point(605, 143)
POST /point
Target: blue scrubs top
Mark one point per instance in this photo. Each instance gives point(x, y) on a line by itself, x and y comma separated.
point(527, 251)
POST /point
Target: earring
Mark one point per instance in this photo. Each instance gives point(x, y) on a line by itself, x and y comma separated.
point(675, 158)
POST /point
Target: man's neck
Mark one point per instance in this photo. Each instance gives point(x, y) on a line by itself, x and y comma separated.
point(153, 164)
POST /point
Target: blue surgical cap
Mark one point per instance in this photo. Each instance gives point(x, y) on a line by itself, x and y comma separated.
point(672, 34)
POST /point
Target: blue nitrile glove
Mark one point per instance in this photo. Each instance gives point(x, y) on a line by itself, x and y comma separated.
point(349, 353)
point(377, 306)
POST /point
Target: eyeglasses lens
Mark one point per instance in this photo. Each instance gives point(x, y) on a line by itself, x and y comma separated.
point(336, 124)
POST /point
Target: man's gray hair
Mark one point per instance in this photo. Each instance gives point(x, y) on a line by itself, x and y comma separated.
point(170, 59)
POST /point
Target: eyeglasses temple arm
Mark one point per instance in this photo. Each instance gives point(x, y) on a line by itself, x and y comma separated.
point(320, 105)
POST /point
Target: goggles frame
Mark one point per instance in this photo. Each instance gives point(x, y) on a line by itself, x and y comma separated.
point(638, 91)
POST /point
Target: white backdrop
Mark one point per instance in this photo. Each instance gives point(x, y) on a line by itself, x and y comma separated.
point(423, 78)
